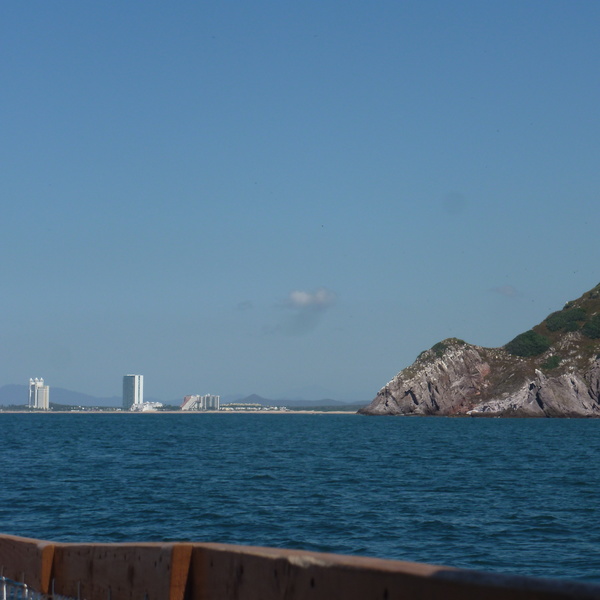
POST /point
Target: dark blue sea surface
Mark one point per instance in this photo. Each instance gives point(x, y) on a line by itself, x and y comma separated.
point(510, 495)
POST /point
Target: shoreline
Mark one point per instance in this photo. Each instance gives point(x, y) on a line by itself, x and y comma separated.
point(180, 412)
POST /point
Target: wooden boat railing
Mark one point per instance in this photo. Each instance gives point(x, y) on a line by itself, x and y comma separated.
point(203, 571)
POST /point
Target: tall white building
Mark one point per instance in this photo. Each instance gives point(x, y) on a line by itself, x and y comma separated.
point(39, 394)
point(133, 391)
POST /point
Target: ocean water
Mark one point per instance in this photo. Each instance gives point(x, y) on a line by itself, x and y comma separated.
point(508, 495)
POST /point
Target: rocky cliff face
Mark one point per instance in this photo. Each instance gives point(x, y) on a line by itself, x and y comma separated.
point(567, 395)
point(551, 371)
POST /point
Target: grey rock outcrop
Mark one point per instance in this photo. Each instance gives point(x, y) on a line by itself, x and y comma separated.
point(552, 370)
point(441, 385)
point(471, 380)
point(567, 395)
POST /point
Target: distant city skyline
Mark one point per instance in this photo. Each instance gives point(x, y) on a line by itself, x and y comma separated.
point(276, 197)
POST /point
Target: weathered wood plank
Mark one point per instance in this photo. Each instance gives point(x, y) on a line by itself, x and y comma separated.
point(221, 572)
point(115, 571)
point(227, 572)
point(27, 561)
point(181, 559)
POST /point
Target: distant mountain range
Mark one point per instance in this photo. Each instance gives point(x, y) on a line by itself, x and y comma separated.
point(16, 394)
point(19, 395)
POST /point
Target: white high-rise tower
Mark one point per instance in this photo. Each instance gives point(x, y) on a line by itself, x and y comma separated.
point(133, 391)
point(39, 394)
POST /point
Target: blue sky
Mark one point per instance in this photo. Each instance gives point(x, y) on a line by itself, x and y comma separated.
point(272, 196)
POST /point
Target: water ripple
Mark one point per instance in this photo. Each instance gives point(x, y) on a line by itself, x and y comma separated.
point(506, 495)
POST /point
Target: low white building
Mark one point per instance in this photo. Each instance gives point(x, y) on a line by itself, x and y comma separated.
point(206, 402)
point(146, 406)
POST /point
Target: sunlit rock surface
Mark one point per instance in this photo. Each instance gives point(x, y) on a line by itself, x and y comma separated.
point(560, 379)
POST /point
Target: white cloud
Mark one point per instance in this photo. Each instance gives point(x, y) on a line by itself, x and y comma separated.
point(318, 300)
point(303, 311)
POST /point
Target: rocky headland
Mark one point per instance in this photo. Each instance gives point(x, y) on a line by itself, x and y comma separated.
point(552, 370)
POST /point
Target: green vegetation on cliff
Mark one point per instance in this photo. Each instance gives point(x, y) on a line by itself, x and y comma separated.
point(566, 319)
point(529, 343)
point(552, 362)
point(592, 328)
point(581, 316)
point(438, 350)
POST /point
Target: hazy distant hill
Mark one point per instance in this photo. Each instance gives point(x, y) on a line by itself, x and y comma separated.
point(19, 394)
